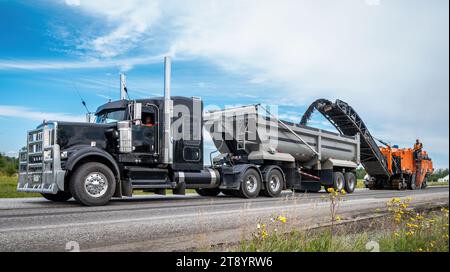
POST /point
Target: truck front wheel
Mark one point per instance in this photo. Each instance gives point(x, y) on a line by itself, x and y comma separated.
point(92, 184)
point(58, 197)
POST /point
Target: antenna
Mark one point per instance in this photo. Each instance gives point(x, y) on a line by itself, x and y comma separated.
point(78, 92)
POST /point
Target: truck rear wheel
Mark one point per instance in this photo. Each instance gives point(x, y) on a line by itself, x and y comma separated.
point(58, 197)
point(208, 192)
point(92, 184)
point(350, 182)
point(274, 183)
point(251, 184)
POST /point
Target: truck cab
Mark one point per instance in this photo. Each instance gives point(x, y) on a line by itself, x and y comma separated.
point(123, 150)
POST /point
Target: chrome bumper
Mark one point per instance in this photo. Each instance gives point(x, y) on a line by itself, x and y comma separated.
point(40, 163)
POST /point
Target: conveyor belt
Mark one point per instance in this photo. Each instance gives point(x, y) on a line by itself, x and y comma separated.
point(348, 122)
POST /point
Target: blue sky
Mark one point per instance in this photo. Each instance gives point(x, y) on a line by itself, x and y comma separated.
point(389, 59)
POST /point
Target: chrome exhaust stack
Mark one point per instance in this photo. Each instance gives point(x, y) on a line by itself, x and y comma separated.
point(123, 86)
point(168, 105)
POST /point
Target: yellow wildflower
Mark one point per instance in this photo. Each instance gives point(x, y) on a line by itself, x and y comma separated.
point(282, 219)
point(264, 234)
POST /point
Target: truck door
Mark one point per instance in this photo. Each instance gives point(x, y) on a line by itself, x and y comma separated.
point(145, 135)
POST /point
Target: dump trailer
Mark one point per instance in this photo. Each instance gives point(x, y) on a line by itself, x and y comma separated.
point(157, 144)
point(387, 167)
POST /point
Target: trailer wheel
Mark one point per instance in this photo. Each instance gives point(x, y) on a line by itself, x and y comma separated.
point(274, 183)
point(208, 192)
point(92, 184)
point(350, 182)
point(338, 182)
point(251, 184)
point(58, 197)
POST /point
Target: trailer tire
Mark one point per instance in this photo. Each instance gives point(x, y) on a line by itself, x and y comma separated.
point(350, 182)
point(251, 184)
point(208, 191)
point(92, 184)
point(60, 196)
point(274, 183)
point(338, 182)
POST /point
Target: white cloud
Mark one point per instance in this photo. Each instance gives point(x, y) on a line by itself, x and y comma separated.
point(129, 20)
point(123, 64)
point(73, 2)
point(31, 114)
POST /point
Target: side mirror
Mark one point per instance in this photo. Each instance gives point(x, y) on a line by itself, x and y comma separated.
point(137, 113)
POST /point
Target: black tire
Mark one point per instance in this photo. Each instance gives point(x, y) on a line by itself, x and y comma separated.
point(338, 182)
point(350, 182)
point(93, 171)
point(412, 182)
point(274, 184)
point(208, 192)
point(251, 184)
point(60, 196)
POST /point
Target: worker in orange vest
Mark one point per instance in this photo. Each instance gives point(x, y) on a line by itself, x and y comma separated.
point(417, 148)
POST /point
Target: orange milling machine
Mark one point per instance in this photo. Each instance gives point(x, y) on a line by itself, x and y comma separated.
point(408, 167)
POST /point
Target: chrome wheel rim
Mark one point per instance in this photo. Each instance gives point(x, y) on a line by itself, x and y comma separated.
point(351, 184)
point(251, 183)
point(274, 183)
point(96, 184)
point(340, 184)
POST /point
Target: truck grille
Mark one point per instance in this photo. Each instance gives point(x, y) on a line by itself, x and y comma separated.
point(36, 160)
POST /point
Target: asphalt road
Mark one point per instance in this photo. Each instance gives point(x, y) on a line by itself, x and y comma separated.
point(167, 223)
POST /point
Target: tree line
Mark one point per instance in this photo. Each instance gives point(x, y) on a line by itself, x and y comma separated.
point(8, 165)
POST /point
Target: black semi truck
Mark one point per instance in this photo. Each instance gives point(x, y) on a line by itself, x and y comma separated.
point(156, 144)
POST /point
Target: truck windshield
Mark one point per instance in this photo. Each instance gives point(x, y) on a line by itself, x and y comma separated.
point(110, 116)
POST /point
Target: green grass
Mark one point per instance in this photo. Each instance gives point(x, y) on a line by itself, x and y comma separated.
point(435, 183)
point(8, 188)
point(431, 235)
